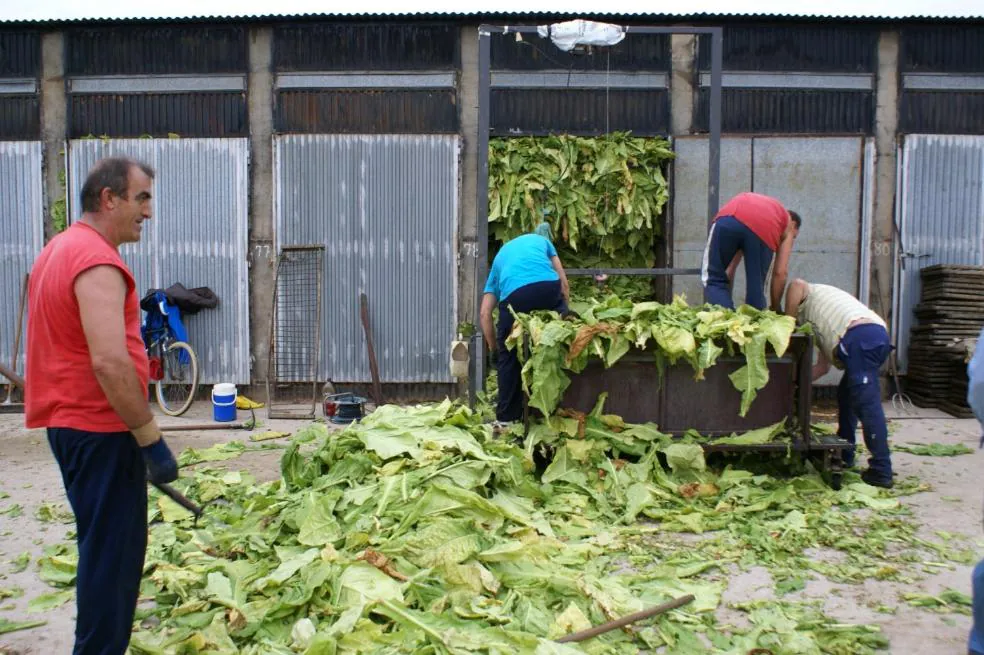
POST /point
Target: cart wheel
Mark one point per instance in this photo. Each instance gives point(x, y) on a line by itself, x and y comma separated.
point(835, 480)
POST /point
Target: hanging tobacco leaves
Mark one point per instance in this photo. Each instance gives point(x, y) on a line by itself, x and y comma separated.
point(602, 196)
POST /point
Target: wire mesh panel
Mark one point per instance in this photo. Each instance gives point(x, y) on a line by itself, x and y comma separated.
point(295, 336)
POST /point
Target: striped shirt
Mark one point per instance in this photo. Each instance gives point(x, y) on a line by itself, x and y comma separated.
point(831, 311)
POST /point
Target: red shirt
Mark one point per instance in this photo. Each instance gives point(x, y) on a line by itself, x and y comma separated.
point(62, 390)
point(763, 215)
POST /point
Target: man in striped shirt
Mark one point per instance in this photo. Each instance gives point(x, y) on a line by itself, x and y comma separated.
point(854, 339)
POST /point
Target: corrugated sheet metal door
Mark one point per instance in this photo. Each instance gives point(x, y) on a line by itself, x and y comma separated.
point(385, 207)
point(22, 236)
point(941, 217)
point(198, 236)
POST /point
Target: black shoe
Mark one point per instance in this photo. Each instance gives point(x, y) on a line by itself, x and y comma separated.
point(875, 480)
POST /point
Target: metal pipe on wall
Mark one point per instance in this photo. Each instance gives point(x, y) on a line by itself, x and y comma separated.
point(714, 152)
point(477, 363)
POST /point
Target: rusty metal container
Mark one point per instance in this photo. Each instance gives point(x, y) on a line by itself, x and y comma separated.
point(710, 406)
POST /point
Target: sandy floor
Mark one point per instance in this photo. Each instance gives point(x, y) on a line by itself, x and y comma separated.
point(30, 477)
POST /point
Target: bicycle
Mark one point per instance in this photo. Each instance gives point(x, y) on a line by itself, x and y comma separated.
point(173, 363)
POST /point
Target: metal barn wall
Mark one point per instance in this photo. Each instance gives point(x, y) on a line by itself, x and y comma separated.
point(385, 207)
point(197, 236)
point(22, 236)
point(941, 216)
point(821, 178)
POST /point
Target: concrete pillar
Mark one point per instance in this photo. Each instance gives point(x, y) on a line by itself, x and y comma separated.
point(467, 219)
point(54, 128)
point(262, 256)
point(886, 130)
point(682, 79)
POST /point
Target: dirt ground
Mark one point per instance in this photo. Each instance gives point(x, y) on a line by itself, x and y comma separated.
point(30, 476)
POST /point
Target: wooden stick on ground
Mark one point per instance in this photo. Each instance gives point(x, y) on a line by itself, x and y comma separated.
point(12, 376)
point(17, 337)
point(584, 635)
point(377, 389)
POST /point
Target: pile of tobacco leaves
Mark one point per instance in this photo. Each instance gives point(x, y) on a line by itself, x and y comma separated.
point(418, 531)
point(607, 329)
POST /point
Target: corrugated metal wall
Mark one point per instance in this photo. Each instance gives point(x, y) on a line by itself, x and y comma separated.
point(351, 111)
point(777, 47)
point(363, 47)
point(155, 49)
point(198, 236)
point(768, 111)
point(942, 48)
point(949, 51)
point(386, 208)
point(941, 216)
point(158, 114)
point(821, 178)
point(20, 53)
point(20, 117)
point(639, 52)
point(22, 236)
point(644, 112)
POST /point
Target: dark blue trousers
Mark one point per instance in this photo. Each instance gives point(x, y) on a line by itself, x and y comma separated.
point(538, 295)
point(106, 483)
point(728, 237)
point(863, 350)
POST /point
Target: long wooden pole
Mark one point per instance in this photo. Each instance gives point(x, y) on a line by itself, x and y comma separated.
point(626, 620)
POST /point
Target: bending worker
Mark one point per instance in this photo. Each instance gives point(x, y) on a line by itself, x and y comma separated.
point(526, 275)
point(756, 227)
point(854, 339)
point(87, 375)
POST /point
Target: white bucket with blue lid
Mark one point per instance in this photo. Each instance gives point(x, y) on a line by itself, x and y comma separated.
point(224, 402)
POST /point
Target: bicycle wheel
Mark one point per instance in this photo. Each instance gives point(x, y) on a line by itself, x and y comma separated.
point(179, 382)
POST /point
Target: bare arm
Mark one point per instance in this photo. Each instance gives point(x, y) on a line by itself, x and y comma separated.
point(821, 367)
point(488, 329)
point(733, 266)
point(795, 295)
point(564, 285)
point(781, 270)
point(101, 294)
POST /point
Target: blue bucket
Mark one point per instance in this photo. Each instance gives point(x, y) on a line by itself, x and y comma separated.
point(224, 402)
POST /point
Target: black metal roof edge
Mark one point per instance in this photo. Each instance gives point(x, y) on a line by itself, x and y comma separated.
point(484, 17)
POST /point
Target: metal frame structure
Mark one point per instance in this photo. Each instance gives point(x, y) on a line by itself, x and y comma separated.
point(485, 32)
point(284, 331)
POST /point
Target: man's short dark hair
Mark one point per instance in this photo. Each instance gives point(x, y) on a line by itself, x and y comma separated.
point(112, 173)
point(796, 218)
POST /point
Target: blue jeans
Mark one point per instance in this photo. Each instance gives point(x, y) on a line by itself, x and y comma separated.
point(975, 642)
point(728, 237)
point(863, 350)
point(106, 482)
point(538, 295)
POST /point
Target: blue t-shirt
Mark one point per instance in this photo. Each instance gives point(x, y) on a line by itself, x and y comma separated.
point(522, 261)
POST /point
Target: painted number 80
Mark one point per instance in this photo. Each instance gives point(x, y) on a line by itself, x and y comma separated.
point(881, 249)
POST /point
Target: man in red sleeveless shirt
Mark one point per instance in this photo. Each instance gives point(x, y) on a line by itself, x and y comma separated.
point(87, 375)
point(756, 227)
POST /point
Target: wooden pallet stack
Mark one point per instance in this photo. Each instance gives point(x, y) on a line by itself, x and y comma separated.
point(950, 315)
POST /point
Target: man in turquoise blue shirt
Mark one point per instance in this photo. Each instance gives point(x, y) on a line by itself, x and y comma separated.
point(526, 275)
